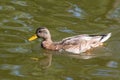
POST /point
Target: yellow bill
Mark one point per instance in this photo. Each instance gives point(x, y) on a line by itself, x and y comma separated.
point(33, 37)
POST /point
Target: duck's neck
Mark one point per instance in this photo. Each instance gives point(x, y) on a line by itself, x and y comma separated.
point(49, 40)
point(49, 44)
point(46, 43)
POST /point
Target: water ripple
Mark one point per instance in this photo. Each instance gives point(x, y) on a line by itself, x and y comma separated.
point(18, 50)
point(69, 78)
point(6, 8)
point(77, 12)
point(112, 64)
point(106, 72)
point(22, 15)
point(65, 29)
point(14, 69)
point(21, 3)
point(114, 14)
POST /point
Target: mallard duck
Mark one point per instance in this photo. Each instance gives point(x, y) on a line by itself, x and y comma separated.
point(75, 44)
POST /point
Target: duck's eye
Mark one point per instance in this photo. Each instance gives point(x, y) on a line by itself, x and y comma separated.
point(39, 31)
point(43, 31)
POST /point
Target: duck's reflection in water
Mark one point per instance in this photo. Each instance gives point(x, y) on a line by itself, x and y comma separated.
point(82, 56)
point(79, 56)
point(45, 62)
point(94, 53)
point(89, 56)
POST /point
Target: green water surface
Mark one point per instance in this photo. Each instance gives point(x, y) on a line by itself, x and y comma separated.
point(24, 60)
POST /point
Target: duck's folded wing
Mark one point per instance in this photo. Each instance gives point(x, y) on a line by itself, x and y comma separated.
point(75, 40)
point(76, 44)
point(86, 38)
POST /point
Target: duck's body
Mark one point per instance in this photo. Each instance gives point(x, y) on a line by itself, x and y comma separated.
point(76, 44)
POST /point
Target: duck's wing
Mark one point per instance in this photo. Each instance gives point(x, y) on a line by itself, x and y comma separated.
point(74, 40)
point(85, 37)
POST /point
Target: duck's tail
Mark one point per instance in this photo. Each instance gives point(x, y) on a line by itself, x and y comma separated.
point(105, 37)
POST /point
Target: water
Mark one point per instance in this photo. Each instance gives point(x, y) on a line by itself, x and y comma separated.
point(24, 60)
